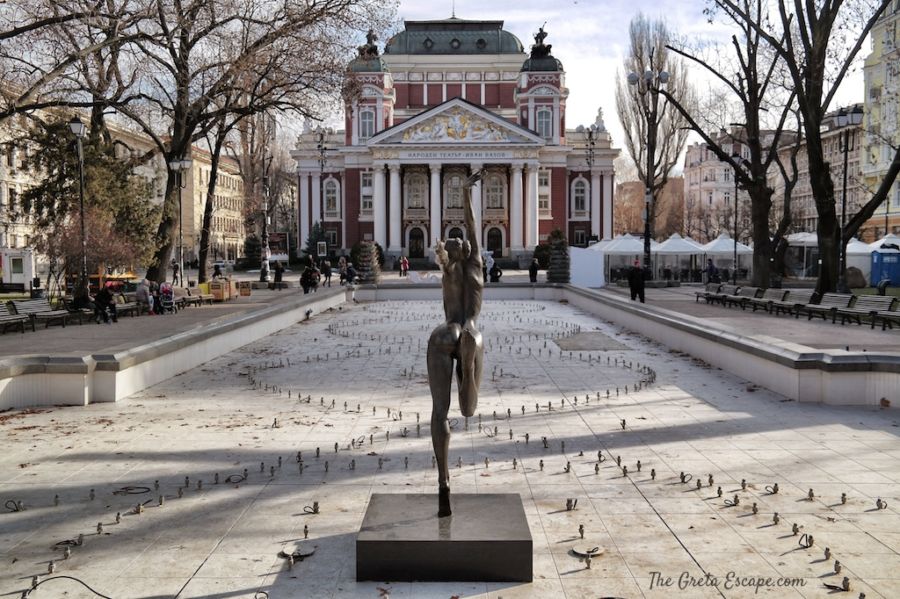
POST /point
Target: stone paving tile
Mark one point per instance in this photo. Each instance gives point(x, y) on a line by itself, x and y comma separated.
point(223, 539)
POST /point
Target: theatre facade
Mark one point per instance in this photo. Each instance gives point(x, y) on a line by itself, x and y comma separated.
point(447, 98)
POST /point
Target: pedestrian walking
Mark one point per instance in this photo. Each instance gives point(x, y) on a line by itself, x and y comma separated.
point(279, 274)
point(176, 272)
point(533, 270)
point(326, 273)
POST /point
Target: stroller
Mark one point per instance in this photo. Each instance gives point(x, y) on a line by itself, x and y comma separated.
point(167, 299)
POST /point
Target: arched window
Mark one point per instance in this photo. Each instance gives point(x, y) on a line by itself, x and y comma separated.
point(455, 232)
point(494, 189)
point(366, 124)
point(416, 190)
point(544, 119)
point(579, 197)
point(332, 199)
point(454, 192)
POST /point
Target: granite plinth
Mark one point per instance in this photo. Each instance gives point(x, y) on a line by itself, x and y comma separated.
point(487, 539)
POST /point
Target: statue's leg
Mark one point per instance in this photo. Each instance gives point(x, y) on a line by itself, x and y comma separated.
point(471, 361)
point(441, 348)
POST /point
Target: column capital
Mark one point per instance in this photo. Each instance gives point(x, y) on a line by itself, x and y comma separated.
point(393, 166)
point(532, 166)
point(435, 167)
point(516, 167)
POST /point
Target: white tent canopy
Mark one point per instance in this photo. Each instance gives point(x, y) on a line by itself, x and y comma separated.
point(723, 245)
point(855, 247)
point(676, 245)
point(803, 240)
point(889, 239)
point(584, 268)
point(625, 246)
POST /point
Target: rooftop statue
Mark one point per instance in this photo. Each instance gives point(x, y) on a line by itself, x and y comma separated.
point(540, 49)
point(370, 48)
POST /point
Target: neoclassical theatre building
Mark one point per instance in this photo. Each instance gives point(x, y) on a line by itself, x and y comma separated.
point(444, 99)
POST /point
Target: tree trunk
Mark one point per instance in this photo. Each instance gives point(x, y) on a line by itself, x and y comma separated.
point(760, 205)
point(158, 269)
point(216, 153)
point(828, 229)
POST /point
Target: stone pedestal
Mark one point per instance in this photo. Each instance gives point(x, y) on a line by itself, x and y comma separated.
point(485, 540)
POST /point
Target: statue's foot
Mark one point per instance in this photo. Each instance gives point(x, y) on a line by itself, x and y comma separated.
point(444, 502)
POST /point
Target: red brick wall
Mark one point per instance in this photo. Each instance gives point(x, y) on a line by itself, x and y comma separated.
point(454, 90)
point(507, 95)
point(416, 95)
point(559, 198)
point(435, 94)
point(351, 195)
point(402, 93)
point(473, 93)
point(491, 95)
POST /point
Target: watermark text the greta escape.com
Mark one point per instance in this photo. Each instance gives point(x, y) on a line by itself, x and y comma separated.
point(731, 580)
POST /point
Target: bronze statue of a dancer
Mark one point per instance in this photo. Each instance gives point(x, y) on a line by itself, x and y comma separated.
point(457, 340)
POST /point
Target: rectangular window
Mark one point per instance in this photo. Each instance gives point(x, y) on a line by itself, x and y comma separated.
point(365, 194)
point(544, 193)
point(580, 238)
point(895, 202)
point(331, 238)
point(579, 193)
point(366, 124)
point(545, 123)
point(17, 265)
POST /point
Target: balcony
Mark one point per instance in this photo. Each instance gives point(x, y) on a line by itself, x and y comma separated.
point(495, 213)
point(453, 214)
point(332, 215)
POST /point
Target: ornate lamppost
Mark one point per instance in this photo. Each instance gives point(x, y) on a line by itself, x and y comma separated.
point(738, 161)
point(179, 167)
point(264, 253)
point(591, 133)
point(321, 137)
point(648, 84)
point(78, 129)
point(847, 119)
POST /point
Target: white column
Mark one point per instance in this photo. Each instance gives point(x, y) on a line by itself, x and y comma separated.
point(303, 233)
point(515, 210)
point(531, 206)
point(316, 198)
point(396, 211)
point(379, 206)
point(434, 232)
point(595, 204)
point(476, 207)
point(608, 205)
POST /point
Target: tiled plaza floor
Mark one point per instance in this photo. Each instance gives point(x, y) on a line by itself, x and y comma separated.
point(355, 379)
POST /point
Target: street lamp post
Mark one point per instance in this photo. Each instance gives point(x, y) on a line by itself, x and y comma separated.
point(264, 266)
point(591, 133)
point(179, 167)
point(846, 119)
point(78, 128)
point(649, 82)
point(321, 137)
point(738, 161)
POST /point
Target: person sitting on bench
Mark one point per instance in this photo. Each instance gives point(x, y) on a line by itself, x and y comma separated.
point(105, 306)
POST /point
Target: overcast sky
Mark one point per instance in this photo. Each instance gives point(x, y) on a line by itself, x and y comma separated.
point(589, 37)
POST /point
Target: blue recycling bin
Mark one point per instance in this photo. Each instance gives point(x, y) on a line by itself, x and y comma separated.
point(885, 265)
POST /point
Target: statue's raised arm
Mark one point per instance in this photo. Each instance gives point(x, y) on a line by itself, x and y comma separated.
point(472, 234)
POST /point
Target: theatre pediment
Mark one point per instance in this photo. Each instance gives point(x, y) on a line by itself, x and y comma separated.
point(456, 122)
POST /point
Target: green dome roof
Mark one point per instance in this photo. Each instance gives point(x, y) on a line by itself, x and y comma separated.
point(362, 64)
point(453, 36)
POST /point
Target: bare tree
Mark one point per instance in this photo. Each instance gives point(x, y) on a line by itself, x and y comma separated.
point(819, 43)
point(647, 121)
point(748, 75)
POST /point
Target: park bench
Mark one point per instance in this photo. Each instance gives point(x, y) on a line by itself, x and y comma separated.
point(724, 291)
point(870, 306)
point(708, 292)
point(768, 296)
point(8, 319)
point(743, 297)
point(79, 313)
point(183, 298)
point(124, 305)
point(828, 305)
point(205, 298)
point(792, 302)
point(41, 310)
